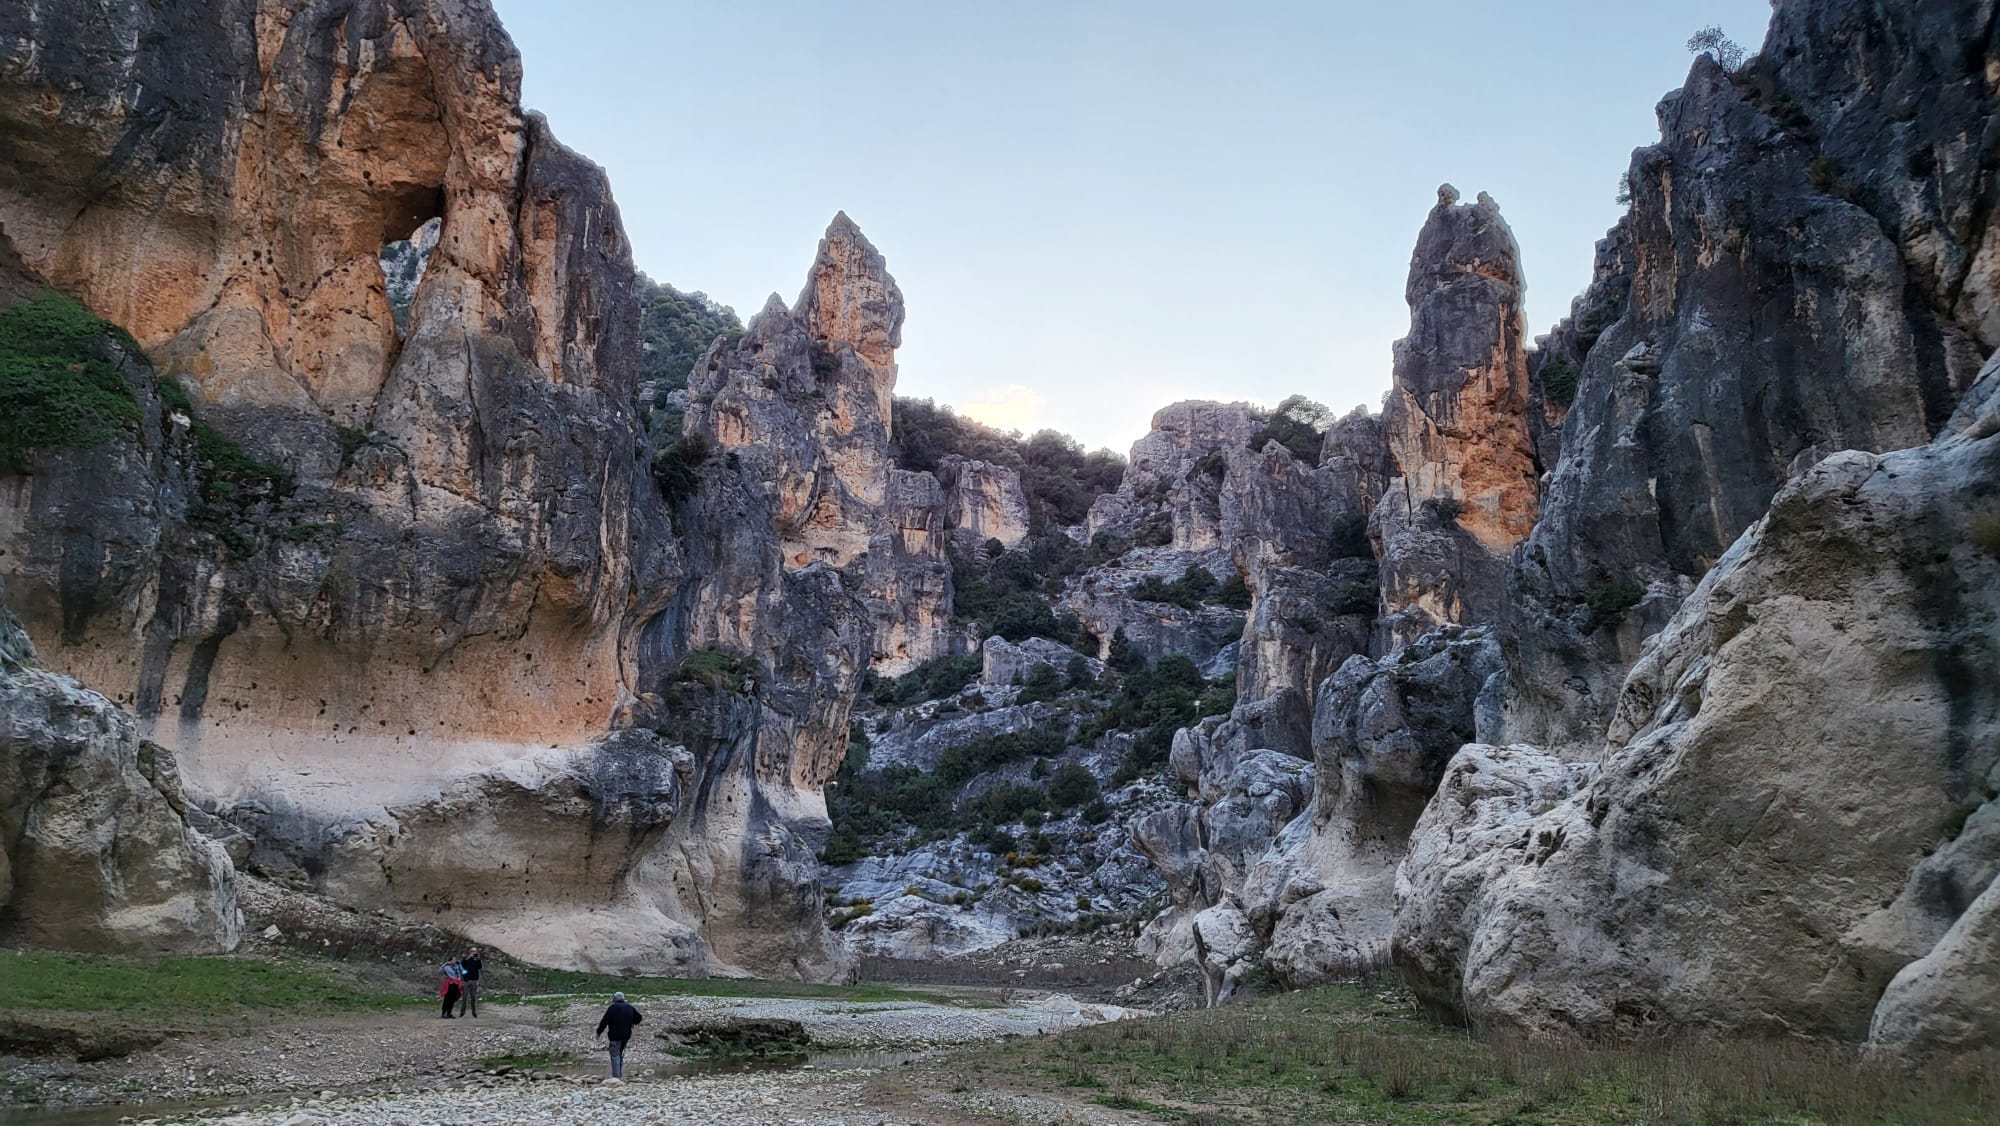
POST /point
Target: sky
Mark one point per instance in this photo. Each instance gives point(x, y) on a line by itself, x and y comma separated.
point(1095, 208)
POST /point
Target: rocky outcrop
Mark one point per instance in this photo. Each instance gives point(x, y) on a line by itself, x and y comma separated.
point(1793, 829)
point(1004, 663)
point(1455, 423)
point(443, 515)
point(983, 501)
point(1808, 265)
point(811, 561)
point(1382, 734)
point(565, 852)
point(98, 853)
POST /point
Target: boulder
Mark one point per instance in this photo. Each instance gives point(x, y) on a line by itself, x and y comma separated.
point(98, 852)
point(1004, 663)
point(1799, 775)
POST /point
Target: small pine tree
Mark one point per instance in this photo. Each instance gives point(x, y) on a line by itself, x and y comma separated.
point(1126, 657)
point(1712, 42)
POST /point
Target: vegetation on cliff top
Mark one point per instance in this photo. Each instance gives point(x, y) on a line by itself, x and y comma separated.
point(60, 380)
point(1058, 476)
point(675, 328)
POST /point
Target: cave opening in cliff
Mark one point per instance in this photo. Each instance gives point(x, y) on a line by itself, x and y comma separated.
point(404, 259)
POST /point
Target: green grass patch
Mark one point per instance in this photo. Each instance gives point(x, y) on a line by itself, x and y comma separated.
point(525, 1061)
point(1362, 1053)
point(724, 672)
point(176, 988)
point(539, 982)
point(60, 383)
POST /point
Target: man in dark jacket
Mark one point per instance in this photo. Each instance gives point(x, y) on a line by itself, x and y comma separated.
point(618, 1021)
point(472, 963)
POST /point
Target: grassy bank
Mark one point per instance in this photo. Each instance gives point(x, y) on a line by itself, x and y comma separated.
point(1362, 1053)
point(171, 990)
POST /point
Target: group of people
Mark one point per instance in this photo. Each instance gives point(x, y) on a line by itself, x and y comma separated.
point(459, 987)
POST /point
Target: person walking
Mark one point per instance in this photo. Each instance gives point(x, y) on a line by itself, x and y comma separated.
point(452, 986)
point(618, 1020)
point(471, 964)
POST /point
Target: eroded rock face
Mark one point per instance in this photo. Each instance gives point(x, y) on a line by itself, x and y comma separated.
point(1456, 425)
point(811, 560)
point(99, 855)
point(1761, 850)
point(984, 501)
point(1807, 267)
point(376, 620)
point(1383, 731)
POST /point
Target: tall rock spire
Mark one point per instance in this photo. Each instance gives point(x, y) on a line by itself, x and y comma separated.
point(1456, 423)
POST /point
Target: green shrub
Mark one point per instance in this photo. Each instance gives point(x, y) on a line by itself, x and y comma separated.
point(1071, 786)
point(1298, 425)
point(231, 479)
point(677, 467)
point(60, 380)
point(1060, 479)
point(1125, 657)
point(1195, 587)
point(721, 671)
point(1348, 537)
point(1360, 594)
point(932, 680)
point(675, 328)
point(1153, 702)
point(1043, 683)
point(1559, 380)
point(1609, 602)
point(1078, 674)
point(1985, 533)
point(1445, 510)
point(960, 764)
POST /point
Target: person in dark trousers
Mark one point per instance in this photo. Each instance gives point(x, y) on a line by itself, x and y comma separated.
point(452, 986)
point(471, 964)
point(618, 1021)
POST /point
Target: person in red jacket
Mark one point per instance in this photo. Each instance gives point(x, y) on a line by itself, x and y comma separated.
point(451, 985)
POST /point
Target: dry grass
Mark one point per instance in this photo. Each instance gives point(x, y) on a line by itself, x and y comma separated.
point(1362, 1053)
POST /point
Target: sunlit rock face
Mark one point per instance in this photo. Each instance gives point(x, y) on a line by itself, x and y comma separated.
point(1456, 425)
point(984, 501)
point(443, 567)
point(814, 560)
point(465, 534)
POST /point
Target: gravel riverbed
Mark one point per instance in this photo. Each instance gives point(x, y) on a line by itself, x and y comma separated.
point(410, 1067)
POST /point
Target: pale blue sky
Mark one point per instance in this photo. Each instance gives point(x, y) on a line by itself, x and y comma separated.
point(1096, 208)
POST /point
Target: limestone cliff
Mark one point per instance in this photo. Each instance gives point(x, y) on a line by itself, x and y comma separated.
point(1790, 828)
point(452, 512)
point(1794, 829)
point(362, 572)
point(1809, 265)
point(811, 561)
